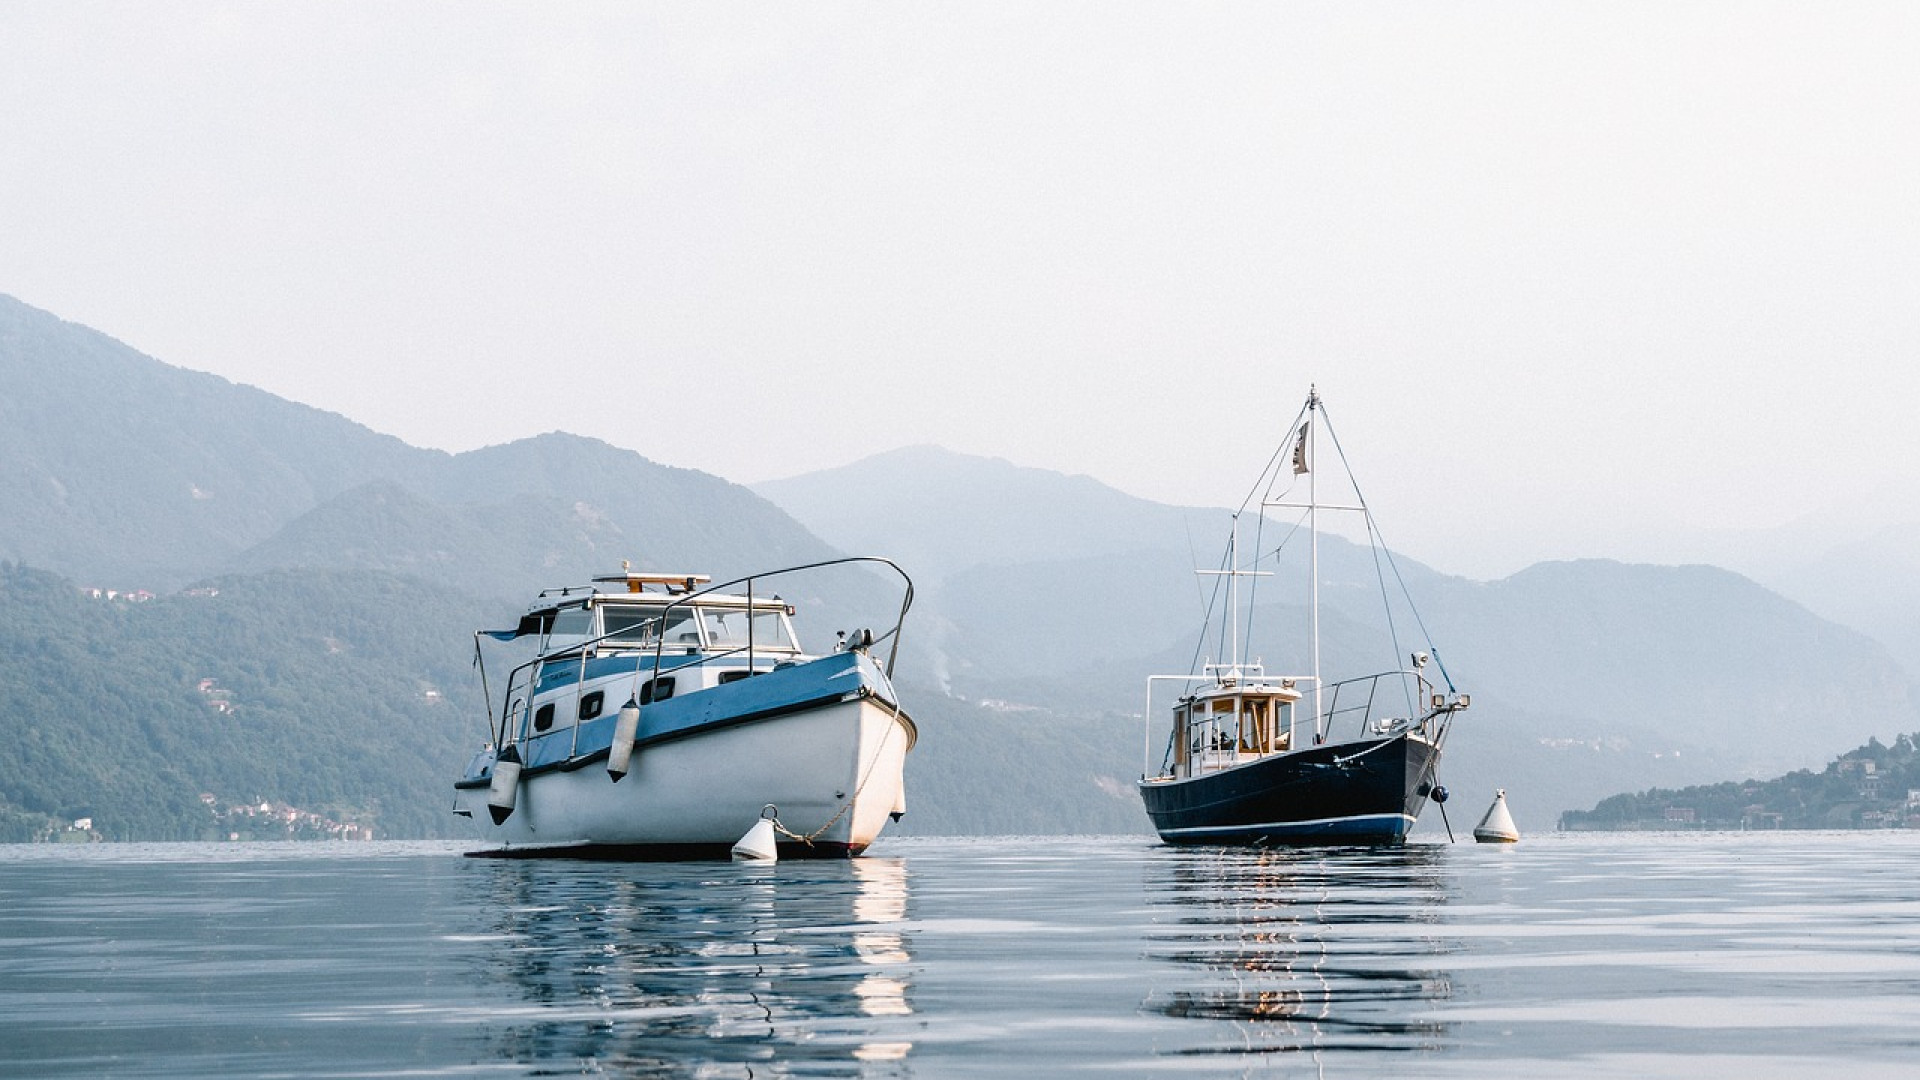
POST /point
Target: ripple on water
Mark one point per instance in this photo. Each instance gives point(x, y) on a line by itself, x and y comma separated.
point(1776, 955)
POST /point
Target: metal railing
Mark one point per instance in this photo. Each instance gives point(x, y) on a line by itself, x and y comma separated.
point(1365, 707)
point(1373, 709)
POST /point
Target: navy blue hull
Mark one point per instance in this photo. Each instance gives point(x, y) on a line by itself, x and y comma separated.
point(1368, 792)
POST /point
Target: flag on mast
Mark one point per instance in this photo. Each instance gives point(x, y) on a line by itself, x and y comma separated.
point(1300, 450)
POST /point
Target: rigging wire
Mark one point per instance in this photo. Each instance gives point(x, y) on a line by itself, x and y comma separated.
point(1376, 544)
point(1199, 646)
point(1383, 549)
point(1262, 490)
point(1193, 556)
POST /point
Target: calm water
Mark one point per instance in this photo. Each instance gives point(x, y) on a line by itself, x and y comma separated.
point(1633, 956)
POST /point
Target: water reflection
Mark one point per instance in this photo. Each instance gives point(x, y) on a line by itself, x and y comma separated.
point(1302, 949)
point(703, 969)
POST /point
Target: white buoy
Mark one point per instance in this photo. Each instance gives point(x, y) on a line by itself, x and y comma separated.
point(504, 790)
point(758, 845)
point(1497, 827)
point(625, 727)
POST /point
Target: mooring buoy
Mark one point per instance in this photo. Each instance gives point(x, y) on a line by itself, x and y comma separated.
point(759, 845)
point(1497, 827)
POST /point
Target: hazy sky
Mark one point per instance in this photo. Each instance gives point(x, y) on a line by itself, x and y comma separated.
point(1573, 278)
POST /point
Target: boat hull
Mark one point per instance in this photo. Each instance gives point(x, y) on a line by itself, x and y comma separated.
point(1366, 792)
point(834, 772)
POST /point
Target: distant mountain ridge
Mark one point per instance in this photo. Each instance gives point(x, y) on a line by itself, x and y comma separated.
point(1044, 601)
point(129, 471)
point(944, 512)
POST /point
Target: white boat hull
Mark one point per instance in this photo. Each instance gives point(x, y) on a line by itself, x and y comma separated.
point(833, 773)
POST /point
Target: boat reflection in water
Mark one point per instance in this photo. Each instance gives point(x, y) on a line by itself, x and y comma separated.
point(794, 968)
point(1302, 949)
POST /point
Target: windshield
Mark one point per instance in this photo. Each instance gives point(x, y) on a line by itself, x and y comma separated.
point(636, 625)
point(727, 629)
point(570, 628)
point(630, 625)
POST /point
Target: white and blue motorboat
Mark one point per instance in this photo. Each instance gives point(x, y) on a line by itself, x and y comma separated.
point(660, 716)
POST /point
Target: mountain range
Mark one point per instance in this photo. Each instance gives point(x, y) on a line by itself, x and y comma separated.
point(1044, 602)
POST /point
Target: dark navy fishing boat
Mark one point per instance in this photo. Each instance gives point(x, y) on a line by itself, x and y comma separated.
point(1241, 765)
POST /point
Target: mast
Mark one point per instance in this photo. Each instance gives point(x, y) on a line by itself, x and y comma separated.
point(1233, 592)
point(1313, 571)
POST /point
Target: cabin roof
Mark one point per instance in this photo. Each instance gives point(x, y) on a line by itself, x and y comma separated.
point(633, 587)
point(1254, 688)
point(635, 581)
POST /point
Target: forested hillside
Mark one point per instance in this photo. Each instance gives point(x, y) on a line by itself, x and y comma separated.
point(337, 692)
point(1876, 786)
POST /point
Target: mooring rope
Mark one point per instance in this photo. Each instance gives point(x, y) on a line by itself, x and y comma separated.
point(809, 838)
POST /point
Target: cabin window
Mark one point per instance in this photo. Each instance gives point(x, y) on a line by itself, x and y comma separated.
point(659, 689)
point(681, 629)
point(1225, 728)
point(590, 704)
point(631, 625)
point(771, 630)
point(734, 676)
point(570, 628)
point(1255, 735)
point(725, 629)
point(543, 717)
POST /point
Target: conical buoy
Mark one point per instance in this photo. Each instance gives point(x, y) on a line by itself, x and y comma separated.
point(625, 727)
point(504, 790)
point(1497, 827)
point(758, 845)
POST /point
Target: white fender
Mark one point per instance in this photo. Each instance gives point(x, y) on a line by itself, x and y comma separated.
point(625, 727)
point(504, 791)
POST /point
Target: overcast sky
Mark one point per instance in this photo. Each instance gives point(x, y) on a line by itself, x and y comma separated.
point(1572, 278)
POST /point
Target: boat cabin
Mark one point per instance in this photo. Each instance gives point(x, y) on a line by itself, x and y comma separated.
point(649, 637)
point(1231, 723)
